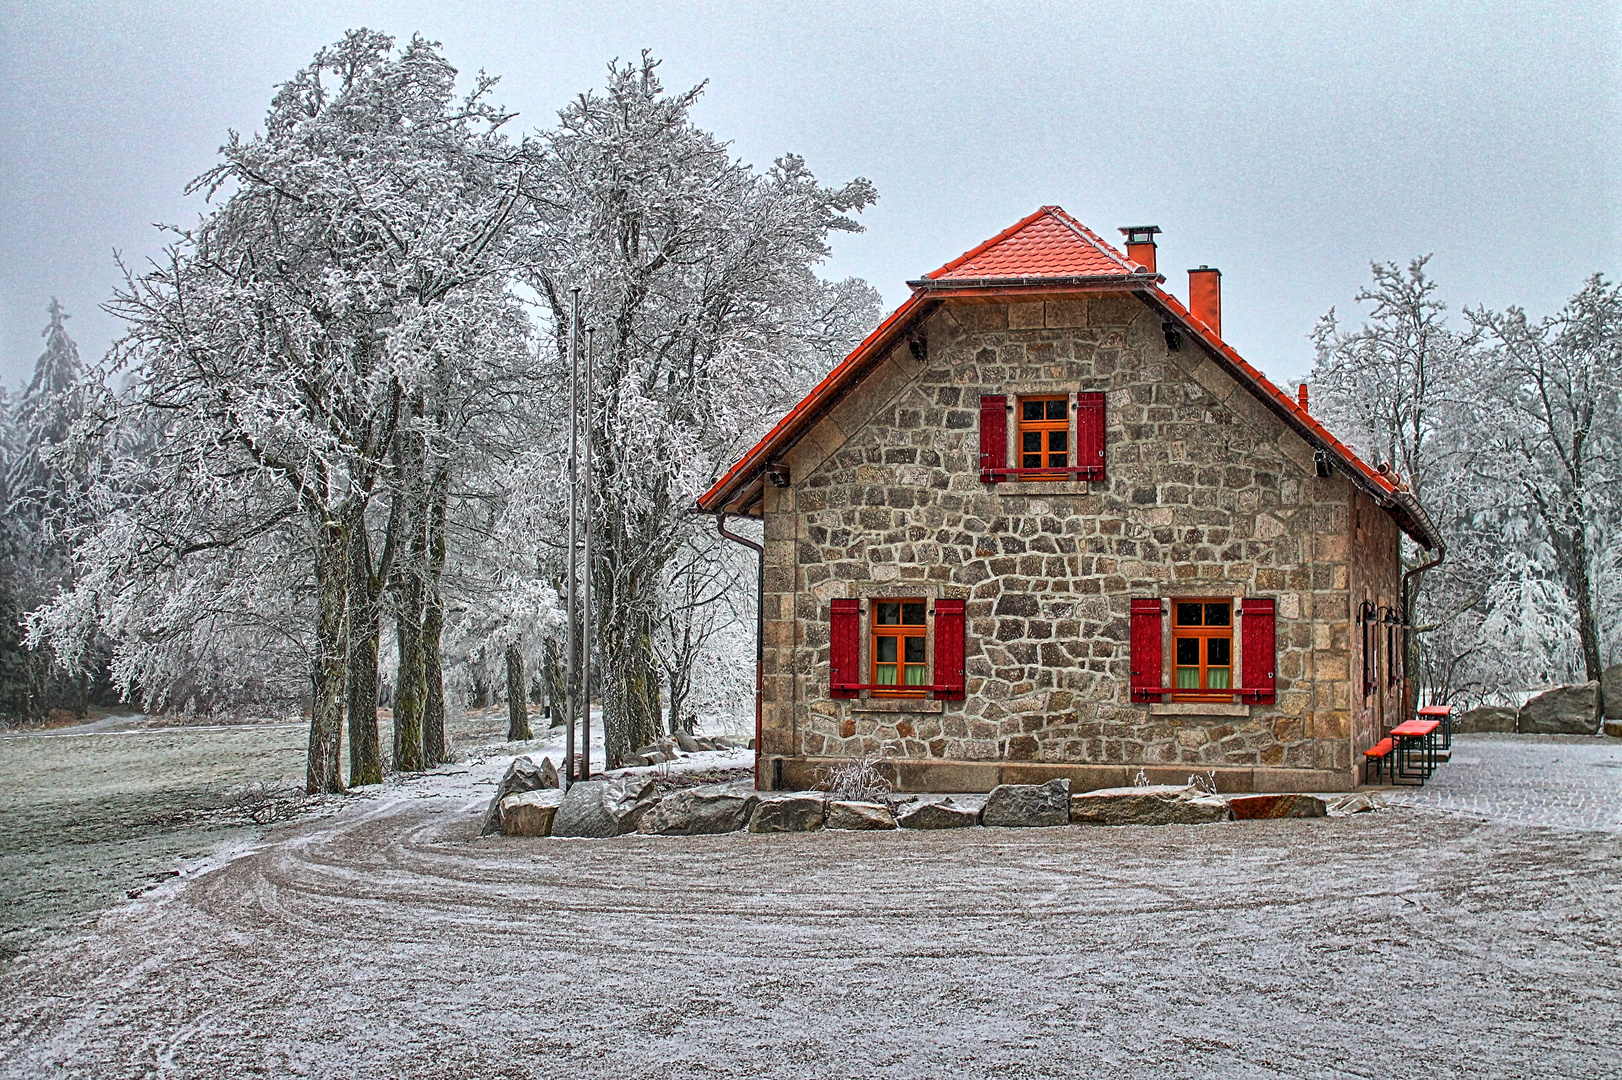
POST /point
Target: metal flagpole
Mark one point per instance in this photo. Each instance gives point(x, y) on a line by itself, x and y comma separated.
point(585, 577)
point(570, 684)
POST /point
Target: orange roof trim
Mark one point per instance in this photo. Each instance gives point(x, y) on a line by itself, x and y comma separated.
point(1046, 251)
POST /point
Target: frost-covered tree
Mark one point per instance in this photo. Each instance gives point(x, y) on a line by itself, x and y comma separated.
point(1548, 425)
point(474, 417)
point(1508, 430)
point(1393, 388)
point(697, 272)
point(278, 348)
point(705, 595)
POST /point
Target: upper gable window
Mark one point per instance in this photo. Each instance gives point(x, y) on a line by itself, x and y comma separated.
point(1044, 432)
point(1049, 437)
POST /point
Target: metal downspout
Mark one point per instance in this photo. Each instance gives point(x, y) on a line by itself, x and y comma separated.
point(760, 623)
point(1409, 704)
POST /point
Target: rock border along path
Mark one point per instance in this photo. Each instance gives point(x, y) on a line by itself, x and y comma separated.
point(627, 803)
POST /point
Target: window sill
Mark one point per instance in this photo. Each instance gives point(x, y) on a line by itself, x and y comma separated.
point(897, 705)
point(1197, 708)
point(1046, 487)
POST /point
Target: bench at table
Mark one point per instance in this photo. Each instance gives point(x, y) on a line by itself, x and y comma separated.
point(1411, 751)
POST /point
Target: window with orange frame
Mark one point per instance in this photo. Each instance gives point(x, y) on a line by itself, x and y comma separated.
point(1202, 649)
point(1044, 432)
point(900, 642)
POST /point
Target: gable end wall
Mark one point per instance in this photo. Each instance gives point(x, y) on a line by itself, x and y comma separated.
point(1208, 493)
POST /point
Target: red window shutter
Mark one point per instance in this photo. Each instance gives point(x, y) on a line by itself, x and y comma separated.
point(993, 435)
point(1147, 653)
point(845, 655)
point(1090, 435)
point(949, 649)
point(1260, 649)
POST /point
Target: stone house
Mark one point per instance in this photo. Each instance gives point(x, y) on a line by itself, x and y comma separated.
point(1044, 523)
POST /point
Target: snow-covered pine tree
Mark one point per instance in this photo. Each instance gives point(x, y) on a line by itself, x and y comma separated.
point(1508, 430)
point(44, 476)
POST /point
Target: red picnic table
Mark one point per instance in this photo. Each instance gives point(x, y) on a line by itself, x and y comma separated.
point(1444, 713)
point(1414, 743)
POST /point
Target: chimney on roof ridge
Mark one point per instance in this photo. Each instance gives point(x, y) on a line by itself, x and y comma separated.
point(1301, 396)
point(1205, 297)
point(1140, 245)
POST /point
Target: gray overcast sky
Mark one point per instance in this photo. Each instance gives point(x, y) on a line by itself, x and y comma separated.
point(1287, 143)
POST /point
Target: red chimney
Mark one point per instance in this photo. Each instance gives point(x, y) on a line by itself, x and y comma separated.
point(1140, 245)
point(1205, 297)
point(1301, 396)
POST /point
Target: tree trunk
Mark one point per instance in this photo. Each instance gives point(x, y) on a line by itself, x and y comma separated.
point(631, 714)
point(323, 771)
point(435, 748)
point(552, 680)
point(517, 697)
point(365, 749)
point(410, 682)
point(678, 699)
point(1582, 596)
point(408, 695)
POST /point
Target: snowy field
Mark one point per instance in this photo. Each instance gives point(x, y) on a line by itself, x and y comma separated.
point(384, 940)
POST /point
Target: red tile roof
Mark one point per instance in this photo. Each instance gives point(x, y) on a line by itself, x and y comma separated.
point(987, 270)
point(1049, 243)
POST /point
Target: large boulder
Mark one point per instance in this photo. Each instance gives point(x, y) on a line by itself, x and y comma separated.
point(714, 808)
point(602, 808)
point(521, 776)
point(844, 814)
point(687, 743)
point(792, 811)
point(1610, 688)
point(1486, 718)
point(936, 814)
point(1156, 804)
point(530, 813)
point(1565, 710)
point(1259, 807)
point(1025, 805)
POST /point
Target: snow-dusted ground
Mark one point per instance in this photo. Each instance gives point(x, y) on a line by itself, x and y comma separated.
point(93, 812)
point(387, 941)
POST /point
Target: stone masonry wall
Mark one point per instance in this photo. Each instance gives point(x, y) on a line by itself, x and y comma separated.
point(1376, 576)
point(1208, 494)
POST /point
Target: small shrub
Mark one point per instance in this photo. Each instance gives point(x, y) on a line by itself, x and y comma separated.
point(1205, 783)
point(859, 780)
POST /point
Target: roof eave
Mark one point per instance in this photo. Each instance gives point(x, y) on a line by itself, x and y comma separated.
point(1087, 281)
point(729, 491)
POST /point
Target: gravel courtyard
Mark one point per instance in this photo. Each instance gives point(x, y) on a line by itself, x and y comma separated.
point(1426, 940)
